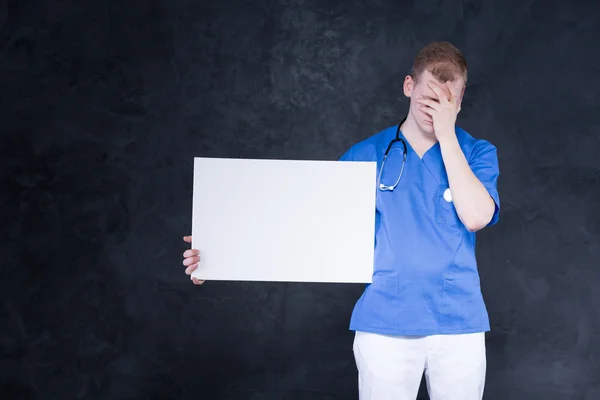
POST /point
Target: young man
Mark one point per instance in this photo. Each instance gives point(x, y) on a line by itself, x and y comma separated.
point(424, 311)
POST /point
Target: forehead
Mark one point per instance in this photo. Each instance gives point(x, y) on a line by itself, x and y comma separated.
point(456, 86)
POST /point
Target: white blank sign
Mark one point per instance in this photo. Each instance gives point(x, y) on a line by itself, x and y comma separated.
point(284, 220)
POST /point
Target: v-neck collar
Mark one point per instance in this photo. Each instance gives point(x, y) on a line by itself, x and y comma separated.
point(426, 151)
point(431, 159)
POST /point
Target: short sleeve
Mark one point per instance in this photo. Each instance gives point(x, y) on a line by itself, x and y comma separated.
point(484, 164)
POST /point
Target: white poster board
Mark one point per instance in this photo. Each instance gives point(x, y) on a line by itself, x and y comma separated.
point(284, 220)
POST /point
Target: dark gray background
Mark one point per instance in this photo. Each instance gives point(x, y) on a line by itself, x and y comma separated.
point(104, 104)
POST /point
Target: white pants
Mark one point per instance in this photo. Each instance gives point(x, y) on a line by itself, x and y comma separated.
point(391, 367)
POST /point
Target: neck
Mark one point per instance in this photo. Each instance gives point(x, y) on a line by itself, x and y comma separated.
point(413, 133)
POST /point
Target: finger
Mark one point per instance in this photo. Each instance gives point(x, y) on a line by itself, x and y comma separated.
point(428, 111)
point(191, 269)
point(449, 94)
point(191, 260)
point(429, 103)
point(191, 253)
point(187, 239)
point(197, 281)
point(438, 91)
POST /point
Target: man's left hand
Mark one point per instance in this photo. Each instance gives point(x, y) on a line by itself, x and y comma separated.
point(443, 112)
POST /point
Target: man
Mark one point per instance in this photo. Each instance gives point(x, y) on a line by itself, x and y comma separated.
point(424, 311)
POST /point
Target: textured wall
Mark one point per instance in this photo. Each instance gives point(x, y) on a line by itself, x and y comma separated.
point(103, 105)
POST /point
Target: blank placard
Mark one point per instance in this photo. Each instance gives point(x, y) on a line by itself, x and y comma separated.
point(284, 220)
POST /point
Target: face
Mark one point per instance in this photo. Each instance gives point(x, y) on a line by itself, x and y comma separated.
point(421, 90)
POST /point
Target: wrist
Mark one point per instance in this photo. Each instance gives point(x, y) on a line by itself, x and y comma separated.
point(447, 137)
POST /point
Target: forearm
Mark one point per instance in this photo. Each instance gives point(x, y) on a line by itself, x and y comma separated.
point(472, 201)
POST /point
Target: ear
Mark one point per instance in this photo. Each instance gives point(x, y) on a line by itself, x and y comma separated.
point(408, 85)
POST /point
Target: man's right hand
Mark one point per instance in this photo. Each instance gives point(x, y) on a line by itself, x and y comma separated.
point(191, 258)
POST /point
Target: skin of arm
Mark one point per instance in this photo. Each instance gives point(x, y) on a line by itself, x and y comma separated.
point(474, 205)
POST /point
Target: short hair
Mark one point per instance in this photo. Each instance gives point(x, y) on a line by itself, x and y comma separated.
point(442, 59)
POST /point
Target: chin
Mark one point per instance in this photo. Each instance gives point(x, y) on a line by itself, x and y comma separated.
point(427, 126)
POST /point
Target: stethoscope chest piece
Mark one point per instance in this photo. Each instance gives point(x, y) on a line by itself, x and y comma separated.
point(448, 195)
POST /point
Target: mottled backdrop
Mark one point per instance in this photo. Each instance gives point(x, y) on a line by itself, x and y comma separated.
point(104, 104)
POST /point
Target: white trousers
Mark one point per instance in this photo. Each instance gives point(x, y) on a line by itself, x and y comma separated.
point(391, 367)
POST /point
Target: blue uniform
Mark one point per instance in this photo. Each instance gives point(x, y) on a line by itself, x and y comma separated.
point(425, 278)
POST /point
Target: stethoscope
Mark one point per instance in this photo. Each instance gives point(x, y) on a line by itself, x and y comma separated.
point(380, 185)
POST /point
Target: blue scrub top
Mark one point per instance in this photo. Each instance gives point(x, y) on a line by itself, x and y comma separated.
point(425, 278)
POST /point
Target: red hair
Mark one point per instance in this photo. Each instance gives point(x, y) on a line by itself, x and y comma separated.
point(443, 60)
